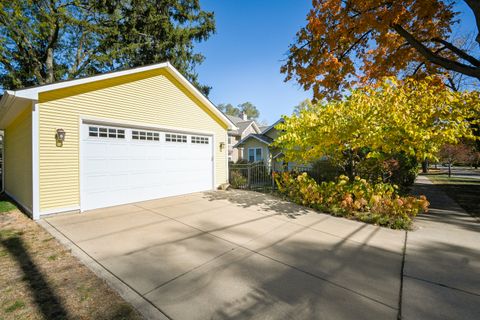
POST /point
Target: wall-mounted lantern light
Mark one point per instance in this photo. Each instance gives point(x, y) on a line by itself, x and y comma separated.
point(60, 137)
point(222, 146)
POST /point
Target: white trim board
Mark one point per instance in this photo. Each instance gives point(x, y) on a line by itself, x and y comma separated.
point(59, 210)
point(139, 125)
point(33, 92)
point(35, 162)
point(273, 125)
point(237, 145)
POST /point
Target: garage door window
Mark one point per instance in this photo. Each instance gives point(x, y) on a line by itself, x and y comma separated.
point(145, 135)
point(102, 132)
point(200, 140)
point(170, 137)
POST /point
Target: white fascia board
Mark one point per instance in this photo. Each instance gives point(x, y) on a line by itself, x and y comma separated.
point(272, 126)
point(257, 129)
point(10, 107)
point(201, 97)
point(32, 93)
point(35, 162)
point(249, 137)
point(241, 133)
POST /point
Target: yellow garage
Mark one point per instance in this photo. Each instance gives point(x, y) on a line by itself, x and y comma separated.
point(111, 139)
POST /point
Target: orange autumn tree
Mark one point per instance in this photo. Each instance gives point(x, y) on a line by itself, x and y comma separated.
point(350, 42)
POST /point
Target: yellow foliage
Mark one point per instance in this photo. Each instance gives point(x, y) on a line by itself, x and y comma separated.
point(414, 117)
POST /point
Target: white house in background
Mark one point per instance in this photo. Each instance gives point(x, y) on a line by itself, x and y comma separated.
point(245, 128)
point(257, 147)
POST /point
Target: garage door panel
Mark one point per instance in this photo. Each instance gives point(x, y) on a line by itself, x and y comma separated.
point(138, 151)
point(124, 170)
point(117, 165)
point(154, 152)
point(96, 183)
point(119, 182)
point(95, 150)
point(93, 166)
point(117, 151)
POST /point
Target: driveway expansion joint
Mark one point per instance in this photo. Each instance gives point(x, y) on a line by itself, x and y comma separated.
point(442, 285)
point(402, 275)
point(73, 244)
point(281, 262)
point(190, 270)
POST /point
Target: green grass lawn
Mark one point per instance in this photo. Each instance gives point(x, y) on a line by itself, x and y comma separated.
point(6, 205)
point(465, 191)
point(41, 279)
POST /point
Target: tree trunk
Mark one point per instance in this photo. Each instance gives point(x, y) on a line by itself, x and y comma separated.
point(449, 169)
point(49, 77)
point(52, 44)
point(425, 166)
point(475, 7)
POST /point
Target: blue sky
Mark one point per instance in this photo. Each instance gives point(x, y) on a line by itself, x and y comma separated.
point(243, 58)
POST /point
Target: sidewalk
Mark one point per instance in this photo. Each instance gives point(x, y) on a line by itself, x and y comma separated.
point(441, 278)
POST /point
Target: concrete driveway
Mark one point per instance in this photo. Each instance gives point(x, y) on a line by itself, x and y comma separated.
point(240, 255)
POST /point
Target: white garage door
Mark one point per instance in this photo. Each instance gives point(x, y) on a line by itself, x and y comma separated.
point(124, 165)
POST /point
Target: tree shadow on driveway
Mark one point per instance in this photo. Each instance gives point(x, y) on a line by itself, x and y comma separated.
point(255, 200)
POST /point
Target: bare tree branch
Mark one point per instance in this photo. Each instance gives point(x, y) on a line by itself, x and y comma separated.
point(451, 84)
point(475, 6)
point(459, 52)
point(423, 63)
point(435, 58)
point(344, 54)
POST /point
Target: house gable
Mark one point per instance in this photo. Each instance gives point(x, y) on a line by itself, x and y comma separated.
point(154, 100)
point(271, 131)
point(62, 89)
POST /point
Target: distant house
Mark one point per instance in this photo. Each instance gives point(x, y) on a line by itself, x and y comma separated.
point(245, 128)
point(258, 147)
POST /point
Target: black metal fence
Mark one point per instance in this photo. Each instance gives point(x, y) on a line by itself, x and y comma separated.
point(259, 176)
point(252, 176)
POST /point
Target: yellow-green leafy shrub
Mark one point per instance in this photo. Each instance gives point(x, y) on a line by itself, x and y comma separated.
point(374, 203)
point(237, 180)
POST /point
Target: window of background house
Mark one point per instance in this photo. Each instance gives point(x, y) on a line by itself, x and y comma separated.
point(254, 154)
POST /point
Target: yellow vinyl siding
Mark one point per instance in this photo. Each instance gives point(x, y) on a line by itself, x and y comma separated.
point(152, 97)
point(18, 159)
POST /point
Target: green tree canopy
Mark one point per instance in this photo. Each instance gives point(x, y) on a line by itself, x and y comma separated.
point(229, 109)
point(45, 41)
point(412, 117)
point(303, 105)
point(247, 107)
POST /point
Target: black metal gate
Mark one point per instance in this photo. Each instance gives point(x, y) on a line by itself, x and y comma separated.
point(252, 176)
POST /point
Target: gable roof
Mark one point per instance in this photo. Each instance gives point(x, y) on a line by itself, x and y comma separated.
point(242, 125)
point(235, 119)
point(32, 93)
point(263, 128)
point(272, 126)
point(260, 137)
